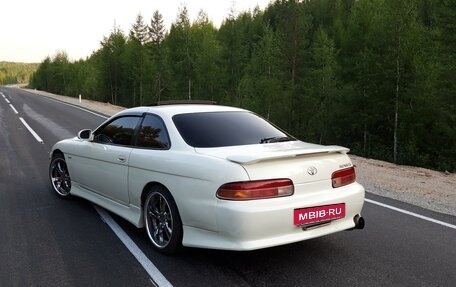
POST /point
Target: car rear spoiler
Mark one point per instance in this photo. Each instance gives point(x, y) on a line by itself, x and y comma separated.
point(251, 158)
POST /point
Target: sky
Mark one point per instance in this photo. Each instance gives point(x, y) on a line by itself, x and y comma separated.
point(31, 30)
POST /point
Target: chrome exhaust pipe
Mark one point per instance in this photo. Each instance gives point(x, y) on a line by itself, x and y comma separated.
point(359, 222)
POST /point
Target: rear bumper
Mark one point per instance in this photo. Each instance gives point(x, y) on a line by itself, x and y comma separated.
point(256, 224)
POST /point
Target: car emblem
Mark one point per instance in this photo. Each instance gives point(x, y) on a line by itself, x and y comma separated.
point(312, 170)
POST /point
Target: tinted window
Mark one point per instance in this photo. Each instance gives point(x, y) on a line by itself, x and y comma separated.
point(120, 131)
point(152, 134)
point(218, 129)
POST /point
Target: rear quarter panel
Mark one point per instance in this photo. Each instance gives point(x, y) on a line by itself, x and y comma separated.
point(192, 179)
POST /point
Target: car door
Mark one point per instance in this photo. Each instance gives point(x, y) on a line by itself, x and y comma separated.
point(102, 164)
point(150, 159)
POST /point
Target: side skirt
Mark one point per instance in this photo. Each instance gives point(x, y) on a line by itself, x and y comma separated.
point(130, 213)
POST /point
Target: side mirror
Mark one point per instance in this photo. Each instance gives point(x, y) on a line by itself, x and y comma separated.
point(85, 135)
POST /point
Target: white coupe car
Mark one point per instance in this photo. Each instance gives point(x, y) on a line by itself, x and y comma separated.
point(209, 176)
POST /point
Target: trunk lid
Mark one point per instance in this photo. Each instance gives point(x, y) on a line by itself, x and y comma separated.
point(301, 162)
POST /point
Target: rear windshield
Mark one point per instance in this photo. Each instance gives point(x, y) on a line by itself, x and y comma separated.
point(219, 129)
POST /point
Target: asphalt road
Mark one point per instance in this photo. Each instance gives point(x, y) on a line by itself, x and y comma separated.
point(47, 241)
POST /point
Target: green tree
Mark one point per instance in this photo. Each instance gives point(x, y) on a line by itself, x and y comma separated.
point(264, 77)
point(181, 56)
point(111, 65)
point(236, 42)
point(401, 28)
point(207, 54)
point(41, 77)
point(358, 56)
point(292, 20)
point(322, 93)
point(59, 73)
point(138, 59)
point(158, 54)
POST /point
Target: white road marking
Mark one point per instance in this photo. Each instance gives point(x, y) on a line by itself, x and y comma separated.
point(37, 137)
point(411, 213)
point(14, 110)
point(150, 268)
point(7, 101)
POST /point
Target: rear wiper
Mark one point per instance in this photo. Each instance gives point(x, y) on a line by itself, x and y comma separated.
point(276, 139)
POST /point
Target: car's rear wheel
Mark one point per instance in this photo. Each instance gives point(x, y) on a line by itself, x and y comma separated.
point(162, 220)
point(59, 176)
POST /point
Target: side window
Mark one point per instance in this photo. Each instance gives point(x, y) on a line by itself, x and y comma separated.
point(120, 131)
point(153, 134)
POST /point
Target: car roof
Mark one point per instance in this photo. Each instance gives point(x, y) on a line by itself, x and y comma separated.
point(171, 110)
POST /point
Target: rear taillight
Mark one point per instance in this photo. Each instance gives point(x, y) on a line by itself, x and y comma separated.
point(259, 189)
point(343, 177)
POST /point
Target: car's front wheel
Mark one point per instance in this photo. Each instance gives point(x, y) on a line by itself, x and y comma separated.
point(59, 176)
point(162, 220)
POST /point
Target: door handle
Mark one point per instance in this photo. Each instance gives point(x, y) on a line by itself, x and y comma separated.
point(121, 158)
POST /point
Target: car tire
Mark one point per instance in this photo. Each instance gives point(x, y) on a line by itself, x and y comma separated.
point(60, 176)
point(162, 220)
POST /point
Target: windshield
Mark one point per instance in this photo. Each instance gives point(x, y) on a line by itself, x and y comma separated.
point(219, 129)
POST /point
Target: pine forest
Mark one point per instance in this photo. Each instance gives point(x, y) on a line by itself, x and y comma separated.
point(377, 76)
